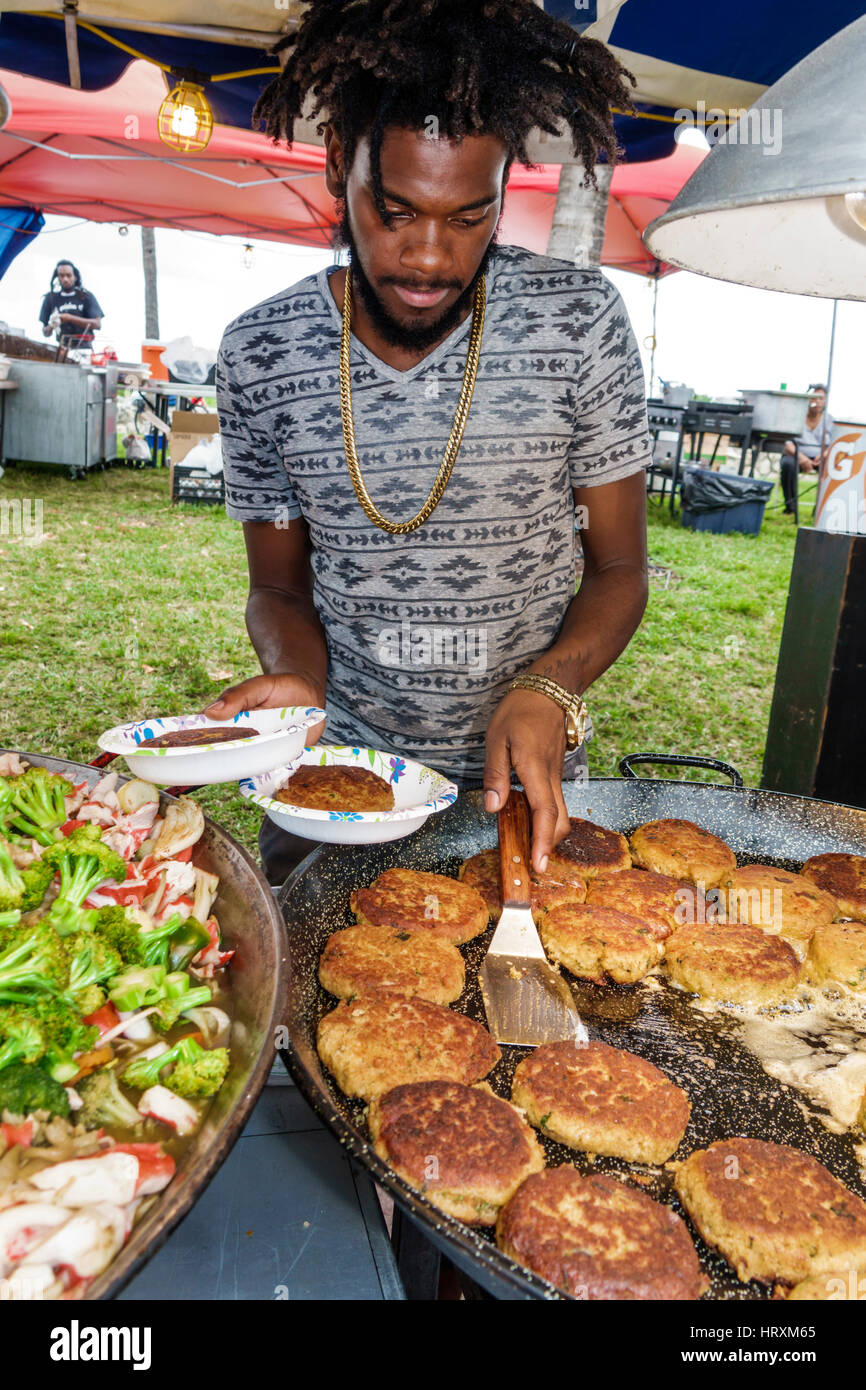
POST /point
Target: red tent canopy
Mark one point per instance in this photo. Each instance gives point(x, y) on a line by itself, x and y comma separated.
point(97, 155)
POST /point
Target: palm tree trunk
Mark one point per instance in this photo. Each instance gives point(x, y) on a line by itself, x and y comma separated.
point(151, 305)
point(577, 233)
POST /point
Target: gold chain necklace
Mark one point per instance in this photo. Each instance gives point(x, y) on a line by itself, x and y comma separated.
point(470, 371)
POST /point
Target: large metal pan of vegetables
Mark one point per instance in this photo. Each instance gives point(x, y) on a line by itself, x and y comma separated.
point(142, 975)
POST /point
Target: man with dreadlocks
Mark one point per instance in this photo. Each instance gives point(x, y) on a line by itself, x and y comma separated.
point(68, 309)
point(409, 440)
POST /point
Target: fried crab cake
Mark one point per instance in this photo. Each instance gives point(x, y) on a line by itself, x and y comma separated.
point(772, 1211)
point(416, 901)
point(597, 1238)
point(651, 897)
point(593, 942)
point(588, 849)
point(334, 788)
point(482, 873)
point(843, 876)
point(365, 960)
point(738, 964)
point(465, 1149)
point(602, 1100)
point(386, 1040)
point(682, 850)
point(776, 901)
point(837, 952)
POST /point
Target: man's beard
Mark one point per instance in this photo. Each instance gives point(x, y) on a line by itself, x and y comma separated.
point(415, 338)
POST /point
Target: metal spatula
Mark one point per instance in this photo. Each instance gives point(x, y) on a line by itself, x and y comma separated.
point(527, 1002)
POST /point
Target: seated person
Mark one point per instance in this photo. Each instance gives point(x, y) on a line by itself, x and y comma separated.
point(809, 450)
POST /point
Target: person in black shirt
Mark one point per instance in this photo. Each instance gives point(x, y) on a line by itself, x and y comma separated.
point(69, 309)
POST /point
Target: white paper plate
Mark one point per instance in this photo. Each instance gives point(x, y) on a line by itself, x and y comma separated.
point(418, 793)
point(280, 740)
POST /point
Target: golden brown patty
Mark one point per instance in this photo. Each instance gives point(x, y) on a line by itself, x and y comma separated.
point(843, 876)
point(738, 964)
point(683, 850)
point(596, 1238)
point(465, 1149)
point(596, 941)
point(364, 960)
point(776, 901)
point(386, 1040)
point(194, 738)
point(481, 872)
point(835, 1286)
point(772, 1211)
point(588, 849)
point(333, 788)
point(417, 901)
point(651, 897)
point(602, 1100)
point(837, 951)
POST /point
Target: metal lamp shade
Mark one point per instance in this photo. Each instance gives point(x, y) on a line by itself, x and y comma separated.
point(780, 203)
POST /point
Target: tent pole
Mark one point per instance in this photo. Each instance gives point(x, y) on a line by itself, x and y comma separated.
point(151, 303)
point(652, 392)
point(70, 10)
point(577, 231)
point(827, 397)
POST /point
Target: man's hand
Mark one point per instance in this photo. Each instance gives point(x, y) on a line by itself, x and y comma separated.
point(527, 733)
point(270, 692)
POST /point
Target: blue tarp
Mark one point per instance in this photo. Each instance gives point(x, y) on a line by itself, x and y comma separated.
point(18, 227)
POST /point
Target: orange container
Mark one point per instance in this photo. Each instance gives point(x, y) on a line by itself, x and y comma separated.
point(150, 355)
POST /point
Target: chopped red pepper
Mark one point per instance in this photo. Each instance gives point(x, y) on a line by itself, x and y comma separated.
point(19, 1134)
point(104, 1019)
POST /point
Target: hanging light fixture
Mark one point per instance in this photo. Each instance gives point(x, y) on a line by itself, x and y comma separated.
point(247, 255)
point(780, 201)
point(185, 121)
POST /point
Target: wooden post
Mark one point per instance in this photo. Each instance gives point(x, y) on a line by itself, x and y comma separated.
point(816, 742)
point(151, 303)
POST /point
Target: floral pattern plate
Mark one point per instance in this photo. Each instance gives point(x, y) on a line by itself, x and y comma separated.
point(278, 743)
point(418, 793)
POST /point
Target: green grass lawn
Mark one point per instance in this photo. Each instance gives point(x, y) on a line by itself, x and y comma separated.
point(128, 606)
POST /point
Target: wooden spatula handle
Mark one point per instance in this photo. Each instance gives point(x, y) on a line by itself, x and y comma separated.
point(514, 825)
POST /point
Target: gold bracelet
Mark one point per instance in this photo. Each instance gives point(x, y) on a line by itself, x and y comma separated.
point(573, 706)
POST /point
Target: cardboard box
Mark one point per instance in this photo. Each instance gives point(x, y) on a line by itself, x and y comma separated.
point(188, 428)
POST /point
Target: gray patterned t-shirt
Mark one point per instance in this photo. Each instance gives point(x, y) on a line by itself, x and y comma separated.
point(425, 631)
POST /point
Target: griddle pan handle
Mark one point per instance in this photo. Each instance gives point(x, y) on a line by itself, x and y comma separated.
point(103, 760)
point(678, 760)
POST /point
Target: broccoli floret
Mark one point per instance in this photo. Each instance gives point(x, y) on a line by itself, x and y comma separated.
point(83, 860)
point(198, 1071)
point(59, 1028)
point(137, 988)
point(155, 943)
point(21, 889)
point(91, 962)
point(36, 960)
point(37, 808)
point(25, 1088)
point(170, 1010)
point(21, 1038)
point(114, 928)
point(90, 1000)
point(143, 1072)
point(104, 1103)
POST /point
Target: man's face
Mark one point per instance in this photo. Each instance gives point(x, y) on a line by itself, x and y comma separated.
point(66, 276)
point(817, 400)
point(416, 277)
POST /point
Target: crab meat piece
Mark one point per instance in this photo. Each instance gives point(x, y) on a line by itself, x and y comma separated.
point(23, 1225)
point(87, 1241)
point(104, 791)
point(98, 814)
point(159, 1103)
point(22, 857)
point(82, 1181)
point(182, 827)
point(11, 765)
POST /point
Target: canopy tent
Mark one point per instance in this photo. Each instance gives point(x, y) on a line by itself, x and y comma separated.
point(725, 59)
point(96, 155)
point(18, 226)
